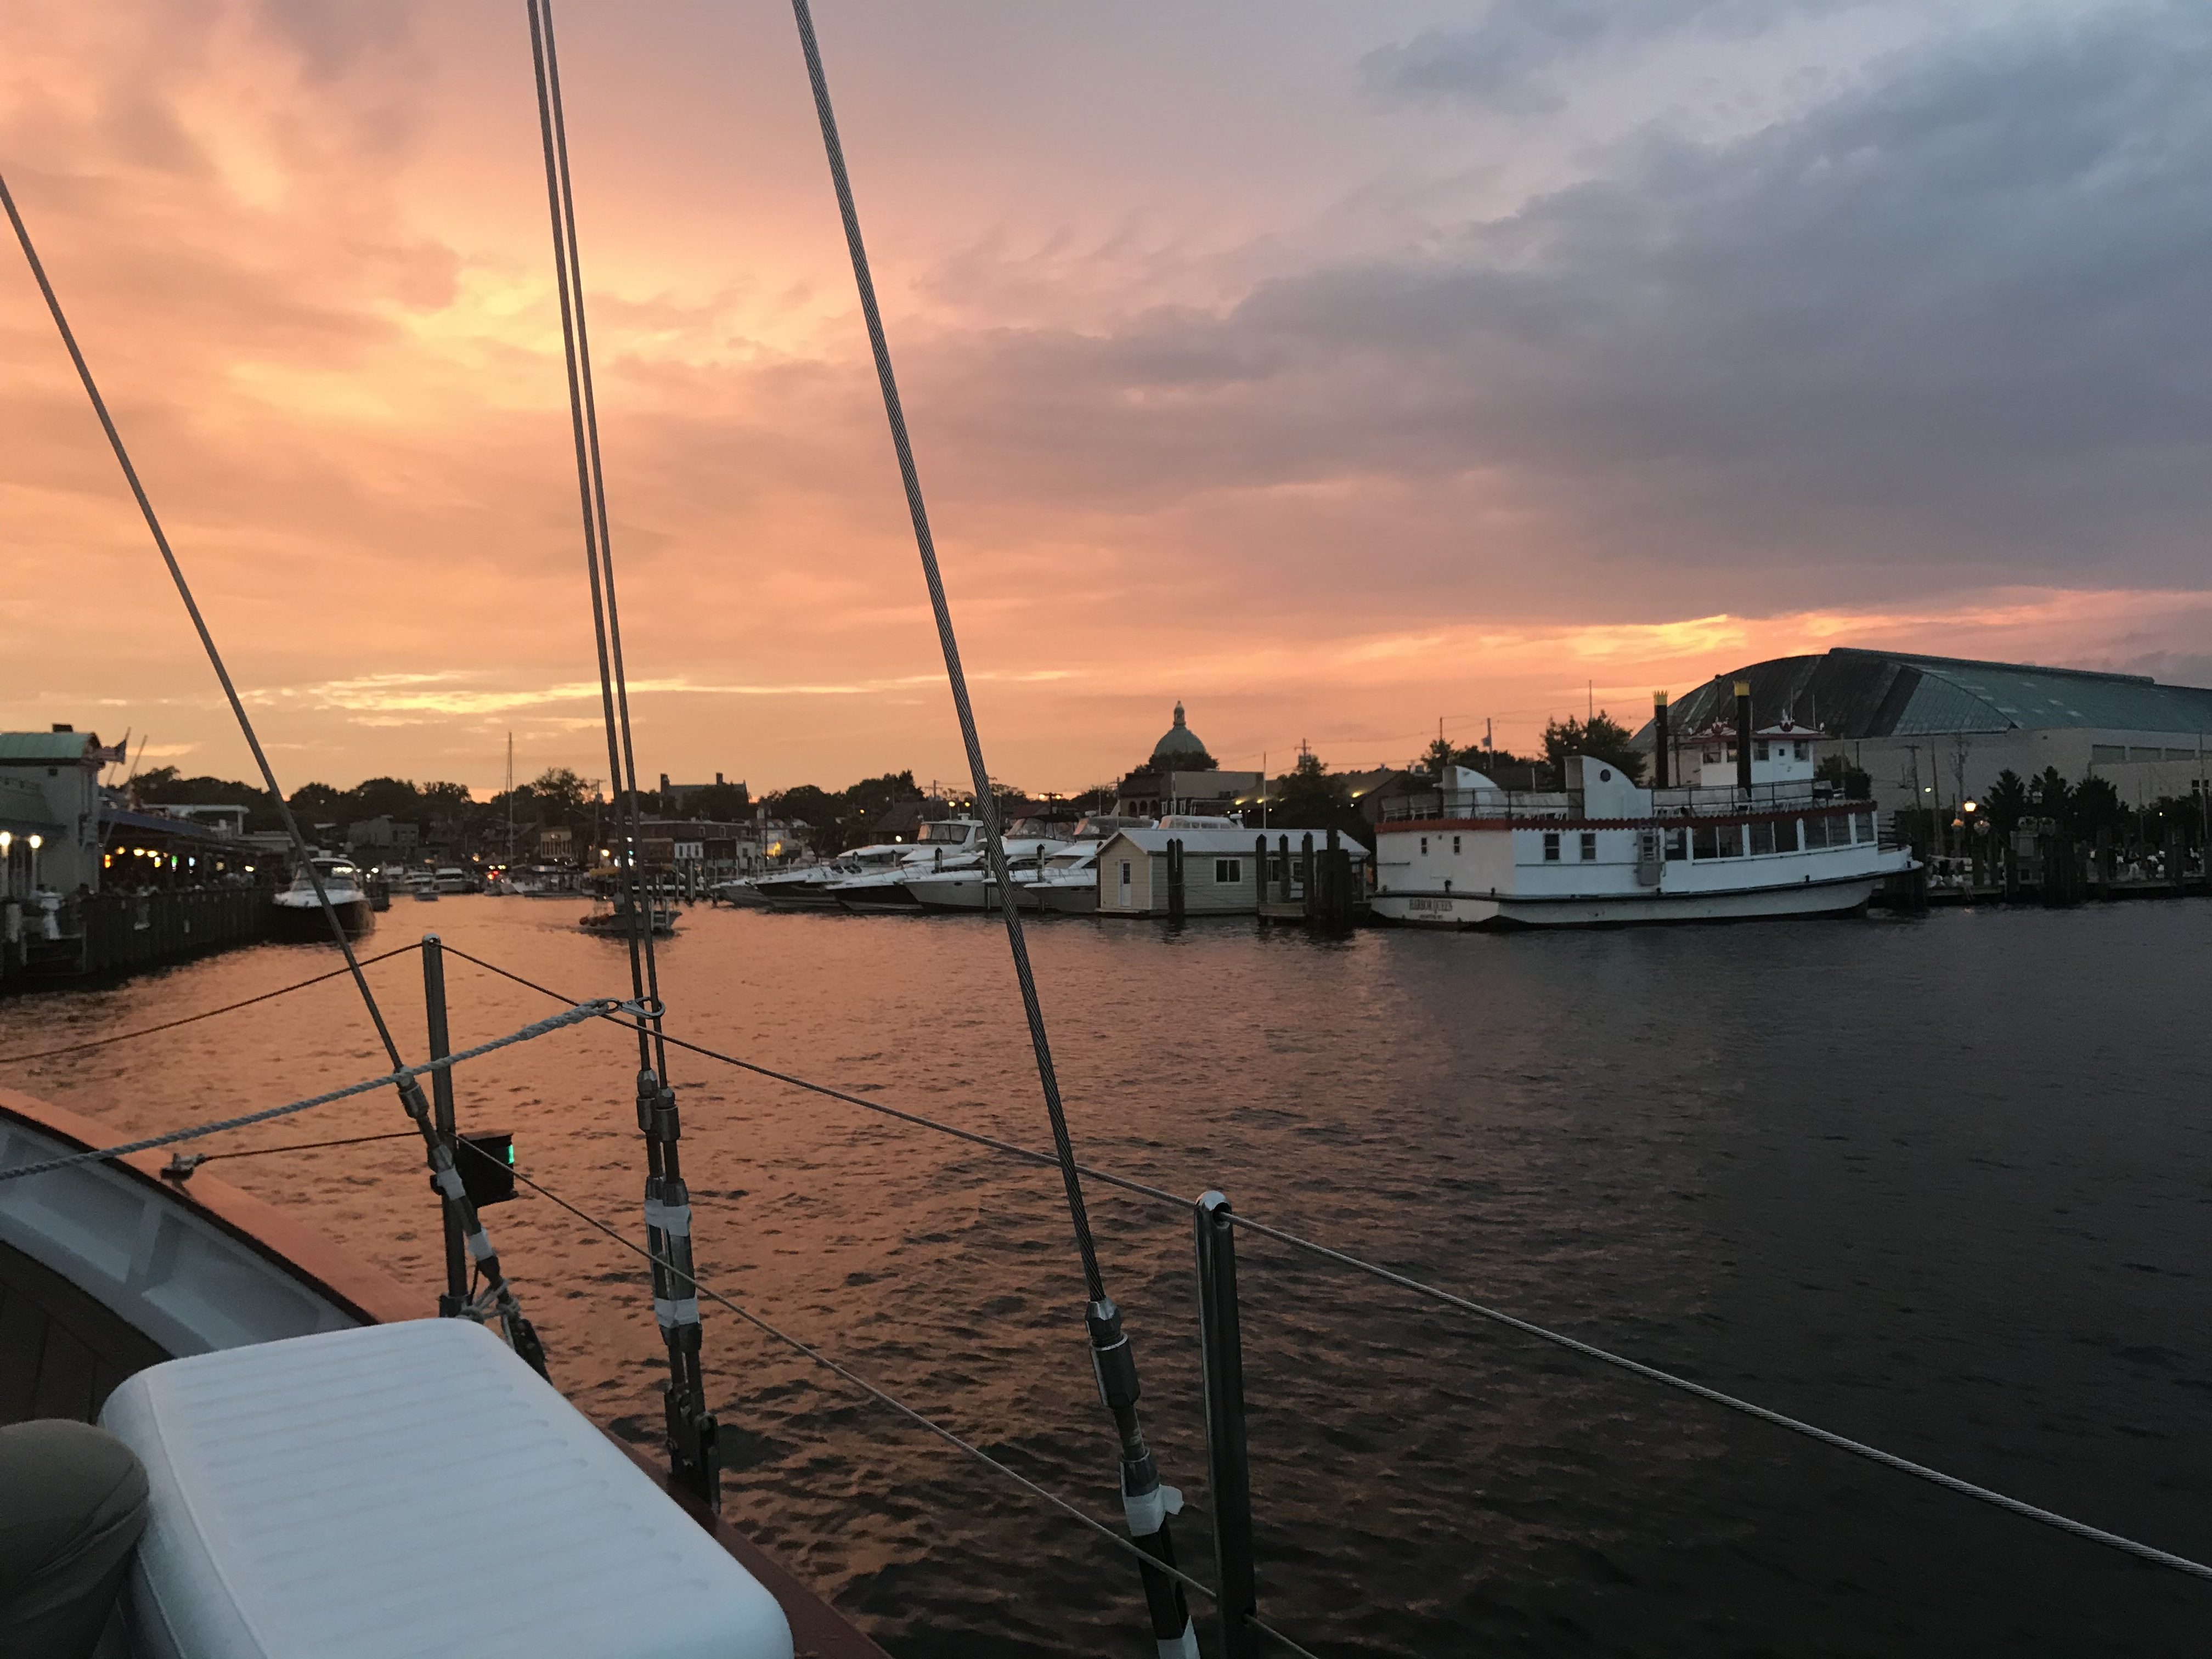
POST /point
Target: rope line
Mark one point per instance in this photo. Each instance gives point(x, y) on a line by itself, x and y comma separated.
point(838, 1368)
point(986, 805)
point(399, 1075)
point(208, 1013)
point(199, 624)
point(1267, 1630)
point(1796, 1425)
point(1011, 1149)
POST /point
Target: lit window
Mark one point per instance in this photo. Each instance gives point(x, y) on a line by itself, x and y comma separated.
point(1550, 847)
point(1228, 872)
point(1589, 847)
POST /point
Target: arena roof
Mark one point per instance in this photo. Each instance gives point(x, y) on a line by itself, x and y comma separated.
point(1851, 693)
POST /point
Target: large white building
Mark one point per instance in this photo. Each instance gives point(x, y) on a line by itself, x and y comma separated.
point(50, 813)
point(1932, 732)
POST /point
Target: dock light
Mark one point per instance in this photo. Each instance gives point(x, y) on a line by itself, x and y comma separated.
point(37, 841)
point(7, 841)
point(1966, 806)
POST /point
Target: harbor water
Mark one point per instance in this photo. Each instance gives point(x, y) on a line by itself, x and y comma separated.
point(1941, 1185)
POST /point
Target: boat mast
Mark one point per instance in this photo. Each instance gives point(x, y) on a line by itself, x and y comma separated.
point(510, 806)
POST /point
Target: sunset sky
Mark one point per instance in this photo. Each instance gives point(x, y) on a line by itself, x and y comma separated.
point(1335, 368)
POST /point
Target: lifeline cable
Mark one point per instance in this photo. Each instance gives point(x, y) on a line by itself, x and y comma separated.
point(1112, 1358)
point(397, 1076)
point(205, 1013)
point(948, 1436)
point(1887, 1460)
point(1796, 1425)
point(692, 1432)
point(1011, 1149)
point(450, 1194)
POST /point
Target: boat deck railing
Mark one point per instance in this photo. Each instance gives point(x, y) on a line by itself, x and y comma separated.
point(1693, 801)
point(1239, 1541)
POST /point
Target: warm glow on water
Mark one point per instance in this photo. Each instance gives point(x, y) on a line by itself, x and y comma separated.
point(1899, 1177)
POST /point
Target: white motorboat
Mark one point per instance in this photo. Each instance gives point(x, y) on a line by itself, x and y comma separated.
point(1756, 835)
point(453, 879)
point(973, 887)
point(299, 913)
point(1066, 884)
point(808, 888)
point(947, 844)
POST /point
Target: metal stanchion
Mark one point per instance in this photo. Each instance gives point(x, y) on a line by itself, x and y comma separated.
point(1228, 1454)
point(456, 1298)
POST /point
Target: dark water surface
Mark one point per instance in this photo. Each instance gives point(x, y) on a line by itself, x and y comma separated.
point(1941, 1185)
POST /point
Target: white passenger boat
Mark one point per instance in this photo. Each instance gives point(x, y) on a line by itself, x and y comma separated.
point(1774, 842)
point(299, 913)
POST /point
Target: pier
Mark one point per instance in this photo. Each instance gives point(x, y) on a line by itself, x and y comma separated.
point(50, 939)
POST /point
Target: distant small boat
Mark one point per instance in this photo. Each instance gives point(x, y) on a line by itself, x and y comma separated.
point(614, 921)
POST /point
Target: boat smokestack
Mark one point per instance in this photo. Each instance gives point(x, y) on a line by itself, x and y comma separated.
point(1659, 735)
point(1743, 735)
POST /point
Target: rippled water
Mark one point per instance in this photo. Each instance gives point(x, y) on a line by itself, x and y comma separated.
point(1941, 1185)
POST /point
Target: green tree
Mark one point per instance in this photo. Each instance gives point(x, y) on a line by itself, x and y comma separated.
point(1602, 738)
point(2005, 802)
point(1437, 755)
point(2096, 806)
point(1851, 783)
point(2050, 797)
point(1309, 797)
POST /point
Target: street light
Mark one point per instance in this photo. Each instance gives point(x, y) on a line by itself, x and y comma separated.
point(37, 841)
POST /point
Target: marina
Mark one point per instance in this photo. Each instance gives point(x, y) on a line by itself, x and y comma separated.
point(1213, 1212)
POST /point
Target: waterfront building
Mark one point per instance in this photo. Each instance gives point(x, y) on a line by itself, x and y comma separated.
point(1221, 868)
point(1181, 777)
point(50, 811)
point(1932, 732)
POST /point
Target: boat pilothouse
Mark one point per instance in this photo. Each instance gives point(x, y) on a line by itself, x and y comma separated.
point(1755, 835)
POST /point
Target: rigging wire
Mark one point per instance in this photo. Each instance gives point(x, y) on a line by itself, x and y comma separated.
point(199, 624)
point(308, 1146)
point(398, 1076)
point(591, 487)
point(205, 1013)
point(950, 1437)
point(986, 803)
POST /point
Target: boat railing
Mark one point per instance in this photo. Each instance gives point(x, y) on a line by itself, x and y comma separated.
point(1238, 1539)
point(1693, 801)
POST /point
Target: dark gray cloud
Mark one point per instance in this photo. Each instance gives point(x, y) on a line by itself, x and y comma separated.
point(1953, 324)
point(1506, 61)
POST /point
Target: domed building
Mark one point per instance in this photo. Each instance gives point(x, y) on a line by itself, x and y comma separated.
point(1180, 750)
point(1181, 776)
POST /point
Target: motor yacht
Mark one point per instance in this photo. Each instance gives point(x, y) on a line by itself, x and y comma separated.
point(299, 913)
point(972, 886)
point(808, 888)
point(1066, 884)
point(947, 844)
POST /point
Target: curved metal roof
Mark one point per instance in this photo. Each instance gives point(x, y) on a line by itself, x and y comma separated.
point(1851, 693)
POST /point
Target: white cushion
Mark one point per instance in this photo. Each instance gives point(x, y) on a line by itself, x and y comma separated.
point(410, 1489)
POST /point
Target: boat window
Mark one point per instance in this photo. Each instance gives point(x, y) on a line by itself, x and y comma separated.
point(1731, 840)
point(1589, 847)
point(1454, 846)
point(1804, 751)
point(943, 832)
point(1862, 826)
point(1816, 832)
point(1677, 844)
point(1762, 835)
point(1706, 842)
point(1228, 872)
point(1550, 847)
point(1424, 846)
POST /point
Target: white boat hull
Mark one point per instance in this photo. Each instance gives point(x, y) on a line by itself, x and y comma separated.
point(1835, 897)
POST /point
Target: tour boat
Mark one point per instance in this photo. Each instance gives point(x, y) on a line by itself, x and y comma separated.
point(1756, 835)
point(299, 913)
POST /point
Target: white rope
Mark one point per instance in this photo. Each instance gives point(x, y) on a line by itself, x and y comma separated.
point(594, 1009)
